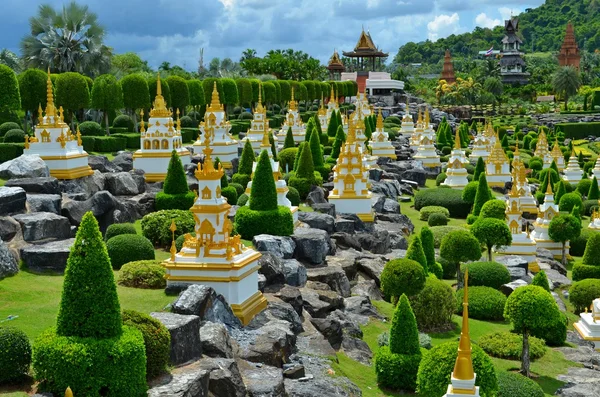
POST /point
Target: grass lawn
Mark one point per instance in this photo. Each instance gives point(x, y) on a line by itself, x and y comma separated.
point(2, 182)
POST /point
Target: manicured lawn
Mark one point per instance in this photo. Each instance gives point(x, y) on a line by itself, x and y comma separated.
point(2, 182)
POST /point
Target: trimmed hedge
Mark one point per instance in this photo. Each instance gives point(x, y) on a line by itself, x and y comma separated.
point(148, 274)
point(591, 255)
point(493, 209)
point(582, 272)
point(434, 305)
point(512, 384)
point(437, 219)
point(14, 136)
point(132, 139)
point(425, 212)
point(119, 228)
point(157, 340)
point(485, 303)
point(15, 354)
point(396, 371)
point(487, 274)
point(508, 345)
point(9, 125)
point(402, 276)
point(127, 248)
point(10, 151)
point(156, 225)
point(293, 196)
point(91, 128)
point(579, 130)
point(451, 199)
point(577, 245)
point(124, 121)
point(104, 143)
point(250, 223)
point(230, 193)
point(165, 201)
point(582, 293)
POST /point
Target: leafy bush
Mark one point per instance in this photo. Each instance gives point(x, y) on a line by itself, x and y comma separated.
point(126, 248)
point(469, 192)
point(188, 122)
point(124, 121)
point(577, 245)
point(238, 188)
point(396, 371)
point(555, 332)
point(230, 193)
point(157, 340)
point(439, 232)
point(437, 219)
point(591, 255)
point(302, 185)
point(143, 274)
point(293, 196)
point(156, 225)
point(242, 200)
point(425, 212)
point(9, 125)
point(14, 136)
point(440, 178)
point(471, 219)
point(508, 345)
point(165, 201)
point(511, 384)
point(424, 340)
point(487, 274)
point(583, 186)
point(402, 276)
point(434, 305)
point(438, 270)
point(541, 280)
point(570, 200)
point(104, 144)
point(119, 228)
point(582, 293)
point(9, 151)
point(91, 128)
point(438, 363)
point(493, 209)
point(240, 179)
point(485, 303)
point(448, 198)
point(15, 354)
point(250, 223)
point(582, 272)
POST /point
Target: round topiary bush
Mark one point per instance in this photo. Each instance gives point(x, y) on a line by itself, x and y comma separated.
point(240, 179)
point(493, 209)
point(9, 125)
point(91, 128)
point(577, 245)
point(438, 363)
point(402, 276)
point(119, 228)
point(448, 198)
point(437, 219)
point(238, 188)
point(469, 192)
point(124, 121)
point(293, 196)
point(512, 384)
point(439, 232)
point(396, 371)
point(582, 293)
point(157, 340)
point(440, 178)
point(286, 158)
point(471, 219)
point(582, 272)
point(508, 345)
point(15, 354)
point(14, 136)
point(487, 274)
point(570, 200)
point(583, 187)
point(188, 122)
point(230, 194)
point(242, 200)
point(485, 303)
point(425, 212)
point(143, 274)
point(434, 305)
point(128, 248)
point(156, 225)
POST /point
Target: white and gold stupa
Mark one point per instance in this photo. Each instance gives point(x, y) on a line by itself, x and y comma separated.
point(527, 203)
point(428, 127)
point(224, 146)
point(588, 325)
point(259, 124)
point(596, 170)
point(362, 105)
point(595, 219)
point(322, 114)
point(456, 173)
point(547, 211)
point(541, 149)
point(54, 142)
point(280, 184)
point(558, 156)
point(350, 192)
point(293, 120)
point(415, 138)
point(573, 173)
point(407, 128)
point(481, 145)
point(427, 154)
point(497, 166)
point(213, 257)
point(380, 143)
point(159, 140)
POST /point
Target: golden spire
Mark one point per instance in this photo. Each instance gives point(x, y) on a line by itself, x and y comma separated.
point(50, 109)
point(265, 141)
point(173, 251)
point(516, 153)
point(215, 103)
point(426, 117)
point(549, 188)
point(68, 392)
point(379, 125)
point(420, 119)
point(332, 97)
point(293, 104)
point(259, 106)
point(457, 144)
point(351, 138)
point(513, 190)
point(159, 108)
point(463, 368)
point(207, 170)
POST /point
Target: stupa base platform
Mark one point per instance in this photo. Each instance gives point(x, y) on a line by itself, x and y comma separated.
point(250, 308)
point(552, 246)
point(429, 162)
point(360, 206)
point(391, 153)
point(572, 177)
point(66, 166)
point(588, 329)
point(498, 180)
point(460, 388)
point(73, 173)
point(155, 164)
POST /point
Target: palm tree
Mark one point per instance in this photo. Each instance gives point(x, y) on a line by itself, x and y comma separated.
point(566, 81)
point(70, 40)
point(11, 60)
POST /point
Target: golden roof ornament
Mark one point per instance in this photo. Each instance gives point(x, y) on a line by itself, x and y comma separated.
point(332, 97)
point(178, 121)
point(159, 108)
point(549, 188)
point(457, 144)
point(79, 141)
point(207, 170)
point(293, 104)
point(259, 106)
point(50, 108)
point(351, 138)
point(173, 250)
point(265, 140)
point(556, 152)
point(322, 111)
point(379, 125)
point(463, 367)
point(26, 141)
point(426, 117)
point(142, 128)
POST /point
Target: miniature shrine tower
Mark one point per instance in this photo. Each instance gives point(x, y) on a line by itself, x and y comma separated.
point(512, 64)
point(546, 213)
point(588, 325)
point(456, 173)
point(54, 142)
point(213, 257)
point(407, 128)
point(293, 120)
point(335, 67)
point(497, 166)
point(380, 143)
point(448, 69)
point(159, 140)
point(527, 203)
point(541, 149)
point(573, 173)
point(569, 51)
point(259, 124)
point(557, 156)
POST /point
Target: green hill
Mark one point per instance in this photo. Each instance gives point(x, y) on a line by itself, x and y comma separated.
point(546, 24)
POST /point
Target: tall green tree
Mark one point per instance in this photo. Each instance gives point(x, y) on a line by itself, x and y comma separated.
point(72, 93)
point(316, 151)
point(244, 91)
point(196, 93)
point(340, 138)
point(594, 193)
point(136, 94)
point(289, 139)
point(246, 160)
point(10, 98)
point(263, 195)
point(107, 96)
point(332, 126)
point(460, 246)
point(563, 228)
point(479, 169)
point(428, 246)
point(32, 87)
point(491, 232)
point(482, 196)
point(566, 81)
point(416, 253)
point(180, 93)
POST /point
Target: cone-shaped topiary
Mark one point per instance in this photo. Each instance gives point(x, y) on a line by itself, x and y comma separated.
point(175, 181)
point(315, 149)
point(594, 193)
point(368, 130)
point(246, 160)
point(298, 155)
point(560, 191)
point(332, 127)
point(89, 305)
point(416, 253)
point(504, 142)
point(306, 166)
point(541, 280)
point(317, 124)
point(310, 128)
point(224, 181)
point(580, 158)
point(554, 167)
point(273, 147)
point(289, 139)
point(482, 196)
point(441, 136)
point(479, 169)
point(428, 243)
point(404, 336)
point(591, 255)
point(338, 115)
point(263, 194)
point(340, 138)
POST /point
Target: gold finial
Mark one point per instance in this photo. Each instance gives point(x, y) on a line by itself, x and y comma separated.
point(173, 228)
point(516, 153)
point(513, 190)
point(259, 106)
point(62, 139)
point(215, 102)
point(265, 140)
point(142, 127)
point(332, 95)
point(158, 85)
point(79, 142)
point(379, 125)
point(160, 106)
point(178, 121)
point(293, 104)
point(40, 115)
point(426, 117)
point(26, 141)
point(463, 368)
point(457, 144)
point(61, 112)
point(68, 392)
point(351, 138)
point(50, 109)
point(549, 188)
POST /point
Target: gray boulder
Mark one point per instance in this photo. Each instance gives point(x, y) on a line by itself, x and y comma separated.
point(185, 336)
point(292, 296)
point(357, 349)
point(102, 202)
point(316, 196)
point(344, 225)
point(378, 241)
point(319, 303)
point(102, 164)
point(508, 289)
point(367, 288)
point(203, 301)
point(331, 328)
point(401, 222)
point(125, 184)
point(9, 228)
point(271, 344)
point(75, 210)
point(41, 185)
point(48, 257)
point(263, 380)
point(372, 267)
point(8, 263)
point(215, 340)
point(345, 259)
point(360, 309)
point(384, 205)
point(277, 310)
point(334, 276)
point(280, 246)
point(44, 225)
point(123, 161)
point(225, 378)
point(189, 381)
point(317, 220)
point(24, 166)
point(517, 266)
point(580, 382)
point(12, 200)
point(346, 241)
point(324, 208)
point(271, 267)
point(44, 203)
point(294, 273)
point(312, 245)
point(84, 187)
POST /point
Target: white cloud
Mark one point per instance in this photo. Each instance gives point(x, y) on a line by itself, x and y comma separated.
point(443, 25)
point(484, 21)
point(506, 12)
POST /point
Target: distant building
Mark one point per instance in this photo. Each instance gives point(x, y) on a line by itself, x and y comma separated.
point(369, 58)
point(569, 51)
point(448, 69)
point(512, 65)
point(335, 67)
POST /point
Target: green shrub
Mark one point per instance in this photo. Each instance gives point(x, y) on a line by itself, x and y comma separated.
point(437, 219)
point(555, 332)
point(10, 151)
point(91, 128)
point(582, 293)
point(582, 272)
point(508, 345)
point(14, 136)
point(511, 384)
point(132, 139)
point(286, 158)
point(485, 303)
point(9, 125)
point(293, 196)
point(107, 144)
point(119, 228)
point(242, 200)
point(487, 274)
point(143, 274)
point(128, 248)
point(583, 187)
point(396, 371)
point(165, 201)
point(239, 189)
point(175, 181)
point(156, 225)
point(471, 219)
point(402, 276)
point(241, 179)
point(541, 280)
point(482, 196)
point(434, 305)
point(302, 185)
point(578, 244)
point(278, 222)
point(437, 270)
point(469, 192)
point(425, 212)
point(15, 354)
point(263, 195)
point(440, 178)
point(448, 198)
point(124, 121)
point(428, 247)
point(570, 200)
point(157, 340)
point(230, 193)
point(591, 254)
point(439, 232)
point(438, 363)
point(494, 209)
point(579, 130)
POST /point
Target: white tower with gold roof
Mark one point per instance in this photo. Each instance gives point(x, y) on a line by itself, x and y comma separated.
point(350, 192)
point(573, 173)
point(557, 156)
point(158, 141)
point(527, 203)
point(224, 146)
point(55, 143)
point(546, 213)
point(541, 149)
point(426, 152)
point(456, 173)
point(213, 257)
point(588, 325)
point(497, 166)
point(415, 138)
point(259, 124)
point(380, 143)
point(481, 145)
point(293, 120)
point(407, 128)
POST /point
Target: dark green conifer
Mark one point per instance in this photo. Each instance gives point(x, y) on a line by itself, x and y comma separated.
point(316, 152)
point(416, 253)
point(306, 165)
point(338, 115)
point(289, 139)
point(246, 159)
point(273, 147)
point(332, 126)
point(560, 191)
point(482, 196)
point(428, 243)
point(404, 335)
point(310, 128)
point(541, 280)
point(479, 169)
point(299, 154)
point(263, 193)
point(368, 130)
point(340, 138)
point(594, 193)
point(175, 181)
point(224, 181)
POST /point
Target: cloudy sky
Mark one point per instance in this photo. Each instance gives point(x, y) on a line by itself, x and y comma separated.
point(175, 30)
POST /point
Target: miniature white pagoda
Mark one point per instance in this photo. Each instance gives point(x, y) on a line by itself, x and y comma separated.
point(527, 203)
point(350, 192)
point(456, 173)
point(293, 119)
point(224, 146)
point(415, 138)
point(595, 219)
point(481, 146)
point(159, 140)
point(258, 125)
point(213, 257)
point(588, 325)
point(596, 170)
point(541, 149)
point(573, 173)
point(280, 184)
point(547, 211)
point(380, 143)
point(362, 105)
point(462, 379)
point(407, 128)
point(428, 127)
point(322, 114)
point(427, 154)
point(54, 142)
point(333, 107)
point(558, 156)
point(497, 166)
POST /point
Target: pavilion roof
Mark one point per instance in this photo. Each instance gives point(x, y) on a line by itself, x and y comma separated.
point(365, 47)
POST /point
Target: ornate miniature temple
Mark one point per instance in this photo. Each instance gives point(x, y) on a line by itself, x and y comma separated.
point(512, 64)
point(448, 69)
point(546, 212)
point(427, 154)
point(351, 193)
point(557, 156)
point(216, 125)
point(497, 167)
point(259, 124)
point(588, 325)
point(158, 141)
point(541, 149)
point(415, 138)
point(569, 51)
point(595, 219)
point(335, 67)
point(456, 173)
point(407, 128)
point(573, 173)
point(380, 143)
point(213, 257)
point(55, 143)
point(527, 203)
point(293, 120)
point(481, 145)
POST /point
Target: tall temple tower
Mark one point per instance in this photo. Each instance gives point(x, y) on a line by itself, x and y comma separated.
point(335, 67)
point(569, 51)
point(512, 65)
point(448, 69)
